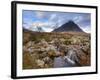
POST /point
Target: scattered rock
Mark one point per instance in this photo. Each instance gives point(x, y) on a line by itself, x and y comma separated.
point(44, 51)
point(40, 63)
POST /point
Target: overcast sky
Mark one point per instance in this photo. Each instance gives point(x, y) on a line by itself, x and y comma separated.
point(49, 20)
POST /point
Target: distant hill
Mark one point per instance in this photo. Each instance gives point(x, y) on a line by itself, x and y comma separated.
point(39, 29)
point(67, 27)
point(25, 30)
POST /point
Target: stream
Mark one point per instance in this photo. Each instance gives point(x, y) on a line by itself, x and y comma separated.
point(66, 61)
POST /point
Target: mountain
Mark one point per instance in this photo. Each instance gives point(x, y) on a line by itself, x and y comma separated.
point(25, 30)
point(36, 29)
point(69, 26)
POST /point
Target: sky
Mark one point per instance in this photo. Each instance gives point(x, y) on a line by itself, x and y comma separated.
point(49, 20)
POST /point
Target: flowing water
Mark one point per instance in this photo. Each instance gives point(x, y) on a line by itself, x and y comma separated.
point(67, 60)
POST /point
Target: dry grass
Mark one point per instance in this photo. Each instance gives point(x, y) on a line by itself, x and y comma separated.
point(69, 39)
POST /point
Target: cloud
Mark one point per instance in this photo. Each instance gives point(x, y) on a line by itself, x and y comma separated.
point(47, 29)
point(40, 14)
point(82, 19)
point(86, 29)
point(46, 26)
point(52, 20)
point(52, 17)
point(77, 19)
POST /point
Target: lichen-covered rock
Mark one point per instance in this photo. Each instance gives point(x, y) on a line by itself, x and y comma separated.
point(40, 63)
point(51, 53)
point(46, 59)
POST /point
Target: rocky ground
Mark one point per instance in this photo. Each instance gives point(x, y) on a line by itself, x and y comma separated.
point(52, 50)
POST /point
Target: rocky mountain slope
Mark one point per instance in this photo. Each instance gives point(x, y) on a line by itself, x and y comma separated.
point(69, 27)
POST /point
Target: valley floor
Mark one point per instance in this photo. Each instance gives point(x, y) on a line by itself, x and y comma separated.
point(55, 50)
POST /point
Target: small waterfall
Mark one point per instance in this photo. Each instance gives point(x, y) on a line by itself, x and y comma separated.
point(68, 60)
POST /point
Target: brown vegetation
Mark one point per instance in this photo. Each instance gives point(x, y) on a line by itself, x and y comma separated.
point(40, 48)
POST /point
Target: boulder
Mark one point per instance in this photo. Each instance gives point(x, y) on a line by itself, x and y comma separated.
point(40, 63)
point(46, 59)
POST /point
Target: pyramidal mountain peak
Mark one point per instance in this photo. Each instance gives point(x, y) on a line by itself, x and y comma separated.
point(68, 26)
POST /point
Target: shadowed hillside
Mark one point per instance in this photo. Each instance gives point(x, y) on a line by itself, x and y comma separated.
point(69, 26)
